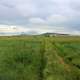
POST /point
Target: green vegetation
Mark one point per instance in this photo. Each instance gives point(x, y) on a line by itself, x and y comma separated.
point(39, 58)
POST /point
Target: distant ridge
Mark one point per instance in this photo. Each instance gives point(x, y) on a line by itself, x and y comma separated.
point(55, 34)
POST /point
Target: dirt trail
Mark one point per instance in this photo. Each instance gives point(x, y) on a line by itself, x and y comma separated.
point(61, 61)
point(59, 58)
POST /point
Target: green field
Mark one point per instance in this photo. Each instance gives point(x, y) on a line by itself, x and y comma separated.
point(39, 58)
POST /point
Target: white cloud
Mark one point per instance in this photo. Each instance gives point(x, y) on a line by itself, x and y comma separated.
point(75, 32)
point(56, 18)
point(12, 29)
point(37, 20)
point(26, 9)
point(36, 29)
point(40, 15)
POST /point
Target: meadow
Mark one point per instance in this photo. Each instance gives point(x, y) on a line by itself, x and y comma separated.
point(40, 58)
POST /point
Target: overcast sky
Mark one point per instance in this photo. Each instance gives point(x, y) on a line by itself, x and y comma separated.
point(38, 16)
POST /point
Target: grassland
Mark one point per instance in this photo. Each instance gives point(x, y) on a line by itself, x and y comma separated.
point(39, 58)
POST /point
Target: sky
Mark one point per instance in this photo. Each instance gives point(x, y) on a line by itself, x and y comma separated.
point(39, 16)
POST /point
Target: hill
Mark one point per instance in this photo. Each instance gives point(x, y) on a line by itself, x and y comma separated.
point(55, 34)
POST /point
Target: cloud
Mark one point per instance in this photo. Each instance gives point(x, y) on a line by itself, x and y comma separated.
point(39, 8)
point(37, 20)
point(12, 29)
point(41, 15)
point(57, 19)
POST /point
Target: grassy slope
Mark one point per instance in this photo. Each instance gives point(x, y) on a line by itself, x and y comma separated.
point(39, 58)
